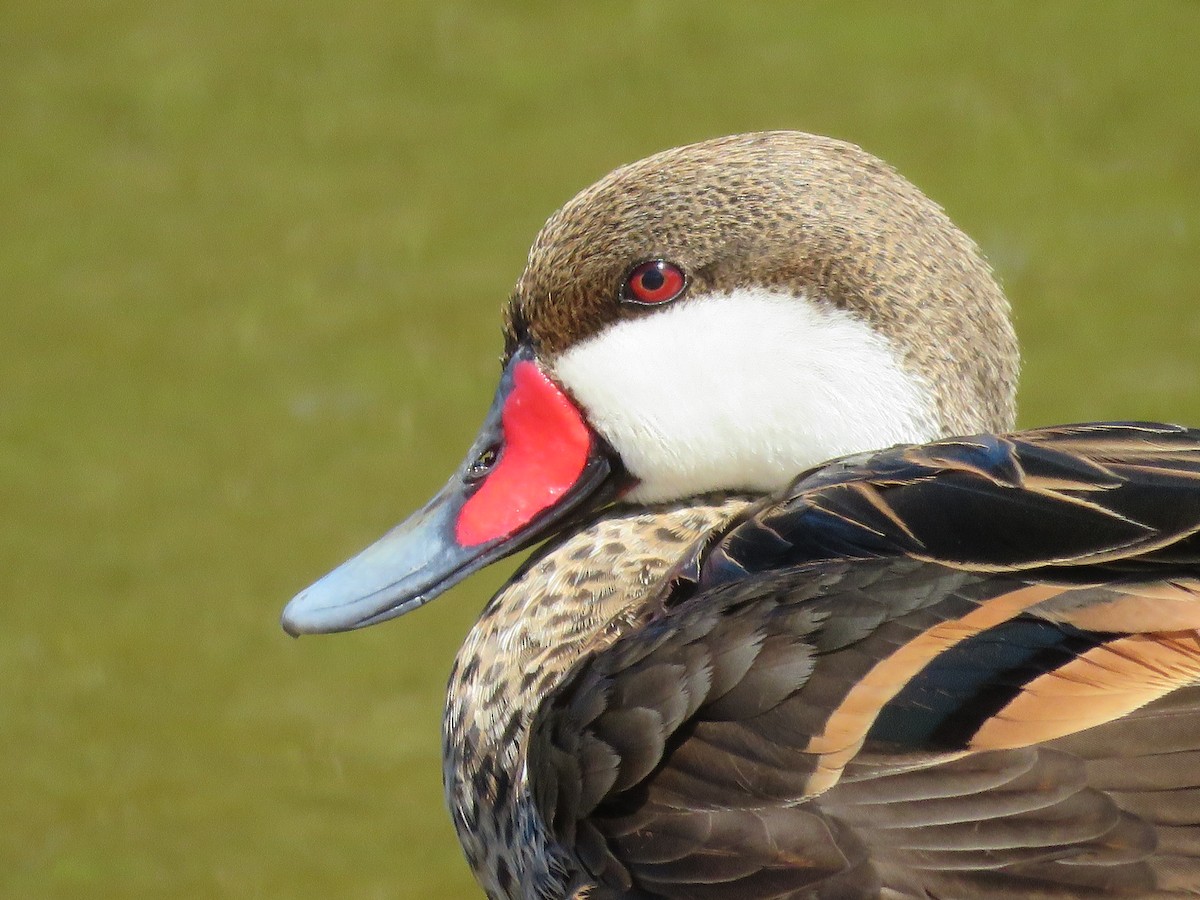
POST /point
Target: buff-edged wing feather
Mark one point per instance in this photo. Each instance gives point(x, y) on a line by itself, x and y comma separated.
point(953, 670)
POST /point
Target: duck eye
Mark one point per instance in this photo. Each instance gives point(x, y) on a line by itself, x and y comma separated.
point(654, 282)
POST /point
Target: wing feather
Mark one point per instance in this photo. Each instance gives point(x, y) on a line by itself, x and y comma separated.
point(967, 669)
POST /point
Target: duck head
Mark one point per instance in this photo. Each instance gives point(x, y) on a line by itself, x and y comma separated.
point(717, 317)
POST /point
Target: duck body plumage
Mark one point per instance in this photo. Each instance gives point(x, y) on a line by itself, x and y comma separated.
point(763, 656)
point(960, 669)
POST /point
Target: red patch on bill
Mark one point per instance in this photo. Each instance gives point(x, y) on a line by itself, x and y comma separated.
point(545, 451)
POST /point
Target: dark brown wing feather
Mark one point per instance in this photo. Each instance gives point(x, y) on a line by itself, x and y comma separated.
point(955, 670)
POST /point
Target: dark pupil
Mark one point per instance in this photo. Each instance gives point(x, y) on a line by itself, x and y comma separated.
point(653, 279)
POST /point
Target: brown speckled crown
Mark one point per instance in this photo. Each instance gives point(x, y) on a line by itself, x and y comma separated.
point(792, 211)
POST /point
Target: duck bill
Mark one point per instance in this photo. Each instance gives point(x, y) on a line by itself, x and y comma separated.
point(535, 466)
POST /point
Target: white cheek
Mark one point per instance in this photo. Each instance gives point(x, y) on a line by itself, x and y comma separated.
point(742, 391)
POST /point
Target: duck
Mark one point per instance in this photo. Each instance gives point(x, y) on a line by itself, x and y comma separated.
point(806, 617)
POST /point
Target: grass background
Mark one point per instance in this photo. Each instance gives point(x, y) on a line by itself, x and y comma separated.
point(251, 257)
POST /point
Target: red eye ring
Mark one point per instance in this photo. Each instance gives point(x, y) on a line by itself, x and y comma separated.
point(654, 282)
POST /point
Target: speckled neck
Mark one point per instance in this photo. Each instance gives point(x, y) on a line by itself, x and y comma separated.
point(584, 590)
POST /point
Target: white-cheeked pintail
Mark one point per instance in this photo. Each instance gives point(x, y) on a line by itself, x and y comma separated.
point(810, 620)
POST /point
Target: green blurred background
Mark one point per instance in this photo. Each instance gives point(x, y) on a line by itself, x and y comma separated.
point(251, 258)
